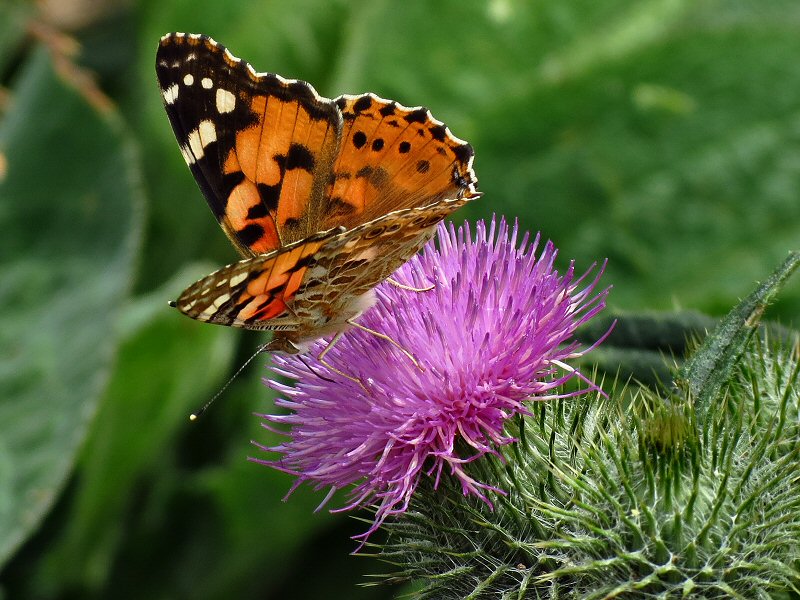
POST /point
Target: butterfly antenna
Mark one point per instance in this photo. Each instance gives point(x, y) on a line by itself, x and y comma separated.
point(195, 415)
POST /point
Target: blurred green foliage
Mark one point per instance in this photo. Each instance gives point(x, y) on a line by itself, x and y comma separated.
point(664, 135)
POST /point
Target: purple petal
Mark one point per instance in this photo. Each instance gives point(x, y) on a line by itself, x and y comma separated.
point(495, 332)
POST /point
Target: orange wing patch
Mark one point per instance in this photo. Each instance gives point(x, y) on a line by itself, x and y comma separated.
point(246, 214)
point(259, 159)
point(283, 155)
point(255, 293)
point(277, 283)
point(392, 157)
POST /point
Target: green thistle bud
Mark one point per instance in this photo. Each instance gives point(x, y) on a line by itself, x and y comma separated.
point(693, 493)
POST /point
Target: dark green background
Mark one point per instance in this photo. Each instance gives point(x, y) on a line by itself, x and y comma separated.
point(662, 134)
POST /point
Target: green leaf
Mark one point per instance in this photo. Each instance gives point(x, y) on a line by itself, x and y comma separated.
point(712, 364)
point(14, 17)
point(70, 215)
point(639, 342)
point(165, 365)
point(670, 148)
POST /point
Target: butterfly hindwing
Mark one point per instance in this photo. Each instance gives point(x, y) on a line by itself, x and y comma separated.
point(254, 293)
point(356, 260)
point(260, 147)
point(311, 282)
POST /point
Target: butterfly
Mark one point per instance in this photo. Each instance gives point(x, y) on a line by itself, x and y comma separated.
point(323, 198)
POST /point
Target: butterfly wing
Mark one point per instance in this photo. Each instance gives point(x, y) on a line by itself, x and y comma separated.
point(390, 158)
point(324, 198)
point(260, 147)
point(254, 293)
point(312, 284)
point(356, 260)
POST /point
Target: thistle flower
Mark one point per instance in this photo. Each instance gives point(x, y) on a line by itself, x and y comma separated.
point(494, 333)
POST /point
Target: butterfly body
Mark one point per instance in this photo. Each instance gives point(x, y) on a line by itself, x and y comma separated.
point(323, 198)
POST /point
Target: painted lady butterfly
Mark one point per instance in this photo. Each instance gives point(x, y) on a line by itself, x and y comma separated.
point(324, 198)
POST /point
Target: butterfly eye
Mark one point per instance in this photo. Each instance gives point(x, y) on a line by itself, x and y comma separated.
point(462, 180)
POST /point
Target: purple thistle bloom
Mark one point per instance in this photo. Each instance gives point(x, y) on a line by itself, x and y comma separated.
point(493, 334)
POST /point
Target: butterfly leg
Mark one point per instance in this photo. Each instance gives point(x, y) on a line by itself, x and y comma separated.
point(329, 366)
point(383, 336)
point(314, 371)
point(402, 286)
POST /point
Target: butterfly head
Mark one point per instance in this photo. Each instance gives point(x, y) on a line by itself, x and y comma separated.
point(282, 342)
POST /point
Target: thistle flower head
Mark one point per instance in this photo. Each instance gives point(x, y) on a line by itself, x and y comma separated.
point(494, 332)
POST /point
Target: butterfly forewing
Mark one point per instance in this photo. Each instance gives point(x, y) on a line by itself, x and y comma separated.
point(392, 157)
point(260, 147)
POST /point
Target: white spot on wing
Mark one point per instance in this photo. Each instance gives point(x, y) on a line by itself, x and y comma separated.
point(208, 132)
point(317, 272)
point(206, 314)
point(200, 138)
point(206, 83)
point(220, 300)
point(226, 101)
point(196, 145)
point(237, 279)
point(187, 155)
point(188, 79)
point(170, 94)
